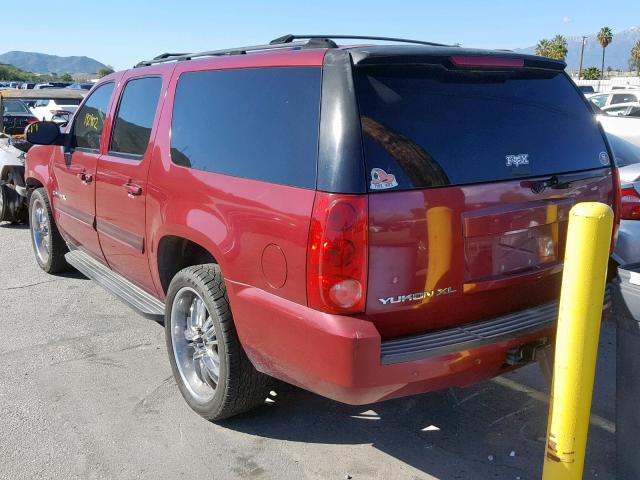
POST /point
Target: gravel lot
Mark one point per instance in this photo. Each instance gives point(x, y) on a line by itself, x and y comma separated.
point(86, 392)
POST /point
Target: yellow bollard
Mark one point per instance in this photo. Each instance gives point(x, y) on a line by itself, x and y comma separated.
point(583, 284)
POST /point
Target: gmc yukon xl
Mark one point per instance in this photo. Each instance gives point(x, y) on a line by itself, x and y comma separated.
point(365, 221)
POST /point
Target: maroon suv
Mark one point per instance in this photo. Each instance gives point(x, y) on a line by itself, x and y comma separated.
point(365, 222)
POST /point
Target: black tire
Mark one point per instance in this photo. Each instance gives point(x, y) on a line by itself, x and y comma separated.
point(8, 197)
point(55, 261)
point(240, 387)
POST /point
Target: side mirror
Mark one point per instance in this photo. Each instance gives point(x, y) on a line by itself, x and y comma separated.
point(44, 133)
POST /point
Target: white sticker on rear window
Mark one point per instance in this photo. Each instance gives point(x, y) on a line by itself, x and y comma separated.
point(604, 158)
point(381, 180)
point(517, 160)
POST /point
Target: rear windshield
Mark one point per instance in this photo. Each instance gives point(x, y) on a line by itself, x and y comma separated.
point(425, 126)
point(67, 101)
point(14, 106)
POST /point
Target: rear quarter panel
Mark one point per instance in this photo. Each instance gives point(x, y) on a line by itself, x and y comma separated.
point(256, 231)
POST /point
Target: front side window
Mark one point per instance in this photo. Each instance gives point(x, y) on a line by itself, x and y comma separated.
point(89, 122)
point(258, 123)
point(137, 110)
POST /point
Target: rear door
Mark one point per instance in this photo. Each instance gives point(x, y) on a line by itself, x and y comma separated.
point(472, 176)
point(74, 168)
point(121, 182)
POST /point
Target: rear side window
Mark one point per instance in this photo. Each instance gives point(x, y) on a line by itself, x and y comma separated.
point(89, 122)
point(426, 126)
point(259, 123)
point(623, 98)
point(136, 112)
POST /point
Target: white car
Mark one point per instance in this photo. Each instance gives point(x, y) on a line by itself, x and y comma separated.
point(46, 109)
point(623, 134)
point(615, 102)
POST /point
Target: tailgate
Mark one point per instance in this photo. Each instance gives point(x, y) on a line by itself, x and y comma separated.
point(447, 256)
point(473, 174)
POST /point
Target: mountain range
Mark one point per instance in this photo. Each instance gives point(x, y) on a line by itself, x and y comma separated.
point(617, 54)
point(43, 63)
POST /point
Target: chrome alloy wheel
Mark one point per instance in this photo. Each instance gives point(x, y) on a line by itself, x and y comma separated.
point(40, 230)
point(195, 344)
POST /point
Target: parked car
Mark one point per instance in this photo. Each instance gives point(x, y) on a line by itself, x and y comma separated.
point(586, 89)
point(365, 222)
point(27, 86)
point(80, 86)
point(15, 117)
point(13, 192)
point(624, 138)
point(613, 101)
point(47, 108)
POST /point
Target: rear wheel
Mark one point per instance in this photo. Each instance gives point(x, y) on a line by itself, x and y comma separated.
point(211, 369)
point(48, 245)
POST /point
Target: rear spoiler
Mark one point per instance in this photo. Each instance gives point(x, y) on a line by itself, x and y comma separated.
point(451, 57)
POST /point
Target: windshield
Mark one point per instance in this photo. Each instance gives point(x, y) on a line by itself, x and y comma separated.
point(14, 106)
point(428, 126)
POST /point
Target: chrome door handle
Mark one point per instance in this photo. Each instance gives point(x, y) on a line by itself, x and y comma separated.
point(85, 177)
point(133, 190)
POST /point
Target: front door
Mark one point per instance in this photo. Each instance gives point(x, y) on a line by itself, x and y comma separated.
point(74, 167)
point(121, 185)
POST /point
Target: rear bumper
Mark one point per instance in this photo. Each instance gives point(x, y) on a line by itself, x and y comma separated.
point(343, 358)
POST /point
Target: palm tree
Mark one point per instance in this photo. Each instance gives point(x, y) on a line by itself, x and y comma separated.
point(605, 36)
point(559, 47)
point(543, 48)
point(635, 55)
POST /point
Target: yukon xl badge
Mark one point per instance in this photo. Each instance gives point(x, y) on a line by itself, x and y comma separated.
point(517, 160)
point(381, 180)
point(413, 297)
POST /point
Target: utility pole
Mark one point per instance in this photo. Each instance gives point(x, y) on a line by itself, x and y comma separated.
point(584, 40)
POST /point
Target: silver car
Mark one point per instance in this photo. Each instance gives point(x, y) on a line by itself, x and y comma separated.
point(624, 136)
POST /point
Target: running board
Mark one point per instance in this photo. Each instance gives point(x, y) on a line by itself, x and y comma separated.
point(136, 298)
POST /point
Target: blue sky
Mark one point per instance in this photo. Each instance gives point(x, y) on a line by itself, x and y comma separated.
point(122, 32)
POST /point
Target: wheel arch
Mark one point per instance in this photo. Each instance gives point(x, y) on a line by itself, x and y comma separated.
point(177, 250)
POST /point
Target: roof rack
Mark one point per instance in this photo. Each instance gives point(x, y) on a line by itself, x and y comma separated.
point(289, 38)
point(286, 41)
point(177, 57)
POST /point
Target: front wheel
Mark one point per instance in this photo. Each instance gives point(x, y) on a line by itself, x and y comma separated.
point(48, 245)
point(211, 369)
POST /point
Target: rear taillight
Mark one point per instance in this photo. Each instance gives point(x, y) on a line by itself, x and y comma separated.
point(337, 256)
point(32, 120)
point(630, 204)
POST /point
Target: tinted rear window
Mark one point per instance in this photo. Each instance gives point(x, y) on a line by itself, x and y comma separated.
point(259, 123)
point(428, 127)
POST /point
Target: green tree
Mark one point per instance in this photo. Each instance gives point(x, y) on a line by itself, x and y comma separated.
point(591, 73)
point(635, 56)
point(66, 77)
point(104, 71)
point(543, 48)
point(559, 47)
point(555, 48)
point(605, 37)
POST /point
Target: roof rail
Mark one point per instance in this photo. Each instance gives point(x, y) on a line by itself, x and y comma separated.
point(289, 38)
point(177, 57)
point(286, 41)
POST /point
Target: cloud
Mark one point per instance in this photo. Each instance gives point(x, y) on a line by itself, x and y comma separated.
point(566, 19)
